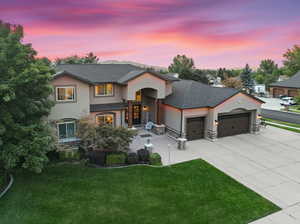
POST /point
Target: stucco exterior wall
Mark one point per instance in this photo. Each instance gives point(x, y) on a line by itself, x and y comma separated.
point(80, 107)
point(172, 118)
point(119, 120)
point(116, 98)
point(169, 88)
point(146, 81)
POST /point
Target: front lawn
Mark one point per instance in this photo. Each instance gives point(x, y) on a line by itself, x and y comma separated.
point(191, 192)
point(282, 122)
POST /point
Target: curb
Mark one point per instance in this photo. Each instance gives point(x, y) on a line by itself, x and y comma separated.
point(11, 181)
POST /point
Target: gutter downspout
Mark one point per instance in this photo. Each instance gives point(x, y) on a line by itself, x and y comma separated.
point(181, 123)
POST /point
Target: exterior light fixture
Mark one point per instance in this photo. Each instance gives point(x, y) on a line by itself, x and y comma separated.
point(216, 122)
point(145, 108)
point(259, 116)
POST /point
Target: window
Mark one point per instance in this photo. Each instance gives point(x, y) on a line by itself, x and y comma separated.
point(138, 96)
point(65, 94)
point(105, 119)
point(104, 89)
point(66, 130)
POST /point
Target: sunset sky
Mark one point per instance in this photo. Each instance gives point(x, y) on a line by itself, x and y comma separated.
point(216, 33)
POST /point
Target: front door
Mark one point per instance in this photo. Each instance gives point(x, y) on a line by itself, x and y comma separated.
point(136, 116)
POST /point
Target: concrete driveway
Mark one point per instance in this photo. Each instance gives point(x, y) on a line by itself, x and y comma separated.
point(268, 163)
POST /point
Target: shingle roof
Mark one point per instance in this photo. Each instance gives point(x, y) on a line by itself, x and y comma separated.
point(100, 73)
point(293, 82)
point(189, 94)
point(107, 107)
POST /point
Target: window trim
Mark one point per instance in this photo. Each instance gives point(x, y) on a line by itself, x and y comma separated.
point(65, 87)
point(66, 122)
point(101, 95)
point(105, 114)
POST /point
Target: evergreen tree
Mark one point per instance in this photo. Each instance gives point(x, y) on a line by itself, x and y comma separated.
point(89, 58)
point(246, 78)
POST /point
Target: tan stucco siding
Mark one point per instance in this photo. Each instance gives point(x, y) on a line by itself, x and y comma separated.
point(172, 118)
point(118, 117)
point(80, 107)
point(169, 89)
point(116, 98)
point(146, 81)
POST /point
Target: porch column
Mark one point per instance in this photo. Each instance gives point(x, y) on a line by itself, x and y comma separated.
point(130, 113)
point(159, 111)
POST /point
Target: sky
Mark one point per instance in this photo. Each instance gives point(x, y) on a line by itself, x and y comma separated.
point(215, 33)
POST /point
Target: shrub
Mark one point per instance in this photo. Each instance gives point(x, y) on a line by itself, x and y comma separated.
point(155, 159)
point(97, 157)
point(69, 155)
point(143, 155)
point(104, 137)
point(132, 158)
point(115, 159)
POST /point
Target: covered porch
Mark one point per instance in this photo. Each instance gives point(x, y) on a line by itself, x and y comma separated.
point(146, 107)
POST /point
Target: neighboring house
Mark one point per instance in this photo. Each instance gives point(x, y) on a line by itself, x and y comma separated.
point(259, 88)
point(289, 87)
point(125, 95)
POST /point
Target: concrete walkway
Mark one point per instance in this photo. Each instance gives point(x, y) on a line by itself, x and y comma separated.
point(268, 163)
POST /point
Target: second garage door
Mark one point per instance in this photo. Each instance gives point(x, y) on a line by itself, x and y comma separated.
point(233, 124)
point(195, 128)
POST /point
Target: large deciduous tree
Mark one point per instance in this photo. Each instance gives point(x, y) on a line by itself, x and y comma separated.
point(232, 82)
point(291, 61)
point(267, 72)
point(246, 78)
point(89, 58)
point(25, 137)
point(184, 66)
point(181, 65)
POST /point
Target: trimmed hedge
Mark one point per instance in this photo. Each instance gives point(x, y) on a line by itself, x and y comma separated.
point(132, 158)
point(155, 159)
point(115, 159)
point(143, 155)
point(69, 155)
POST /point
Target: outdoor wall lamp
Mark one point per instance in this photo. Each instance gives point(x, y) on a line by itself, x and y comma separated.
point(216, 122)
point(145, 108)
point(259, 116)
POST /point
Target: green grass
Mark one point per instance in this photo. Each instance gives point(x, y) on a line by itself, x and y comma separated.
point(285, 128)
point(282, 122)
point(295, 108)
point(191, 192)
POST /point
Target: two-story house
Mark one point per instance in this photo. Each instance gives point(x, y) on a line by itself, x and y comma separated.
point(126, 95)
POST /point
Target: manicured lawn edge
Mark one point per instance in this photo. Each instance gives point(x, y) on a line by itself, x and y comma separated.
point(282, 122)
point(285, 128)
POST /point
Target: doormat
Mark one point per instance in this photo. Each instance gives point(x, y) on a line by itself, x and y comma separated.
point(146, 135)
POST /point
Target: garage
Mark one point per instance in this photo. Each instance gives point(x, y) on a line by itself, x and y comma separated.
point(278, 92)
point(195, 128)
point(233, 124)
point(292, 93)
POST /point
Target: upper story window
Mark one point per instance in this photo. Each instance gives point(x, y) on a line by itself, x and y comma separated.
point(65, 93)
point(138, 96)
point(106, 89)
